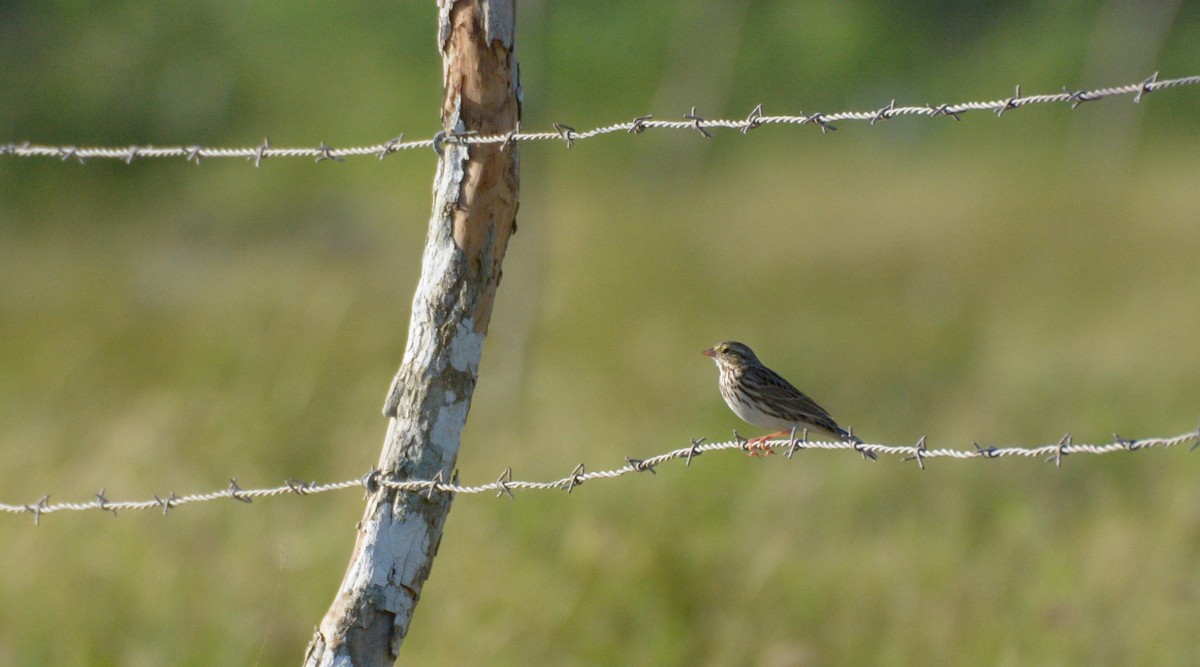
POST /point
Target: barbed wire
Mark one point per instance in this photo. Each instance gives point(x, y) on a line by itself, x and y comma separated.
point(569, 135)
point(373, 481)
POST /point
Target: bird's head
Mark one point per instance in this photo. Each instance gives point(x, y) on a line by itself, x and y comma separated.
point(731, 354)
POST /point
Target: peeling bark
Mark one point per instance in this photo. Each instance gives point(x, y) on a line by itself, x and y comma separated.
point(474, 208)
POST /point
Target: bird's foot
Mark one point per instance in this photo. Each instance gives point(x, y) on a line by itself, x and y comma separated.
point(759, 445)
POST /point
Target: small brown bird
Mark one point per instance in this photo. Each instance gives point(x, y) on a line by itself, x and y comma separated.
point(763, 398)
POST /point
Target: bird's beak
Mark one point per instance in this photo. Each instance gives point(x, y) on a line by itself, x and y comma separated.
point(710, 352)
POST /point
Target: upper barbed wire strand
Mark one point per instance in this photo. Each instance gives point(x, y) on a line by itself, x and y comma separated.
point(824, 121)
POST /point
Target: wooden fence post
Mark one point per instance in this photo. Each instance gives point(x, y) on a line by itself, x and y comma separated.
point(474, 209)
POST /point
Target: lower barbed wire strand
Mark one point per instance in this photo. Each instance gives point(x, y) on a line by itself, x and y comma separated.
point(918, 451)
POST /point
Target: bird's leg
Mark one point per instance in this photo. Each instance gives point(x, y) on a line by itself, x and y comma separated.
point(759, 444)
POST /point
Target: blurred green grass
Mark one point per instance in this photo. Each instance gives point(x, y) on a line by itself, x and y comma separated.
point(165, 327)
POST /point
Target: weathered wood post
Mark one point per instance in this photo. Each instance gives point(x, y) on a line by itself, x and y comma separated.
point(474, 208)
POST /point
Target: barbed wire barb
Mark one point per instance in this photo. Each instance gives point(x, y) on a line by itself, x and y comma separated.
point(694, 450)
point(1011, 103)
point(985, 452)
point(565, 132)
point(433, 484)
point(503, 481)
point(1145, 88)
point(693, 122)
point(260, 153)
point(697, 123)
point(819, 120)
point(638, 125)
point(576, 478)
point(1076, 97)
point(918, 453)
point(753, 120)
point(885, 113)
point(38, 508)
point(327, 154)
point(297, 487)
point(390, 146)
point(1061, 451)
point(235, 492)
point(370, 482)
point(944, 110)
point(793, 444)
point(102, 503)
point(640, 465)
point(510, 140)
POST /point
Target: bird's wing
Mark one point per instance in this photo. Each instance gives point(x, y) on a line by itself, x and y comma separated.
point(793, 401)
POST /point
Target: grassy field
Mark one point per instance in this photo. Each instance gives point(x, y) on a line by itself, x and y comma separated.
point(165, 327)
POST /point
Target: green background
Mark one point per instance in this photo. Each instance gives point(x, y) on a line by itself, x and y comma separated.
point(164, 327)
